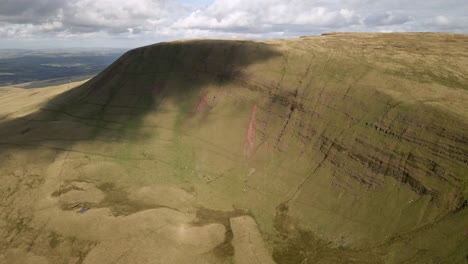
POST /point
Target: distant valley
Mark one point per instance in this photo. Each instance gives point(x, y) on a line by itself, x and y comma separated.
point(55, 66)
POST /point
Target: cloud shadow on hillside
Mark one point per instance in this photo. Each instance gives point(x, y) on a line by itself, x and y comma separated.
point(120, 96)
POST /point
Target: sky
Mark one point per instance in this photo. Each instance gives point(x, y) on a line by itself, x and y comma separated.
point(132, 23)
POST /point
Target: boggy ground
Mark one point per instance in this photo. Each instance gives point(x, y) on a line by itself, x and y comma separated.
point(343, 148)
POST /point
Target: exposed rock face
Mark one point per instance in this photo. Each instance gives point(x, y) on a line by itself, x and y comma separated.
point(345, 148)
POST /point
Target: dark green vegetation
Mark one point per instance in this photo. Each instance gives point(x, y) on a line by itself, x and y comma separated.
point(63, 66)
point(344, 148)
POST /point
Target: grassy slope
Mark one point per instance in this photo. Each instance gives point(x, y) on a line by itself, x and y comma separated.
point(16, 102)
point(361, 150)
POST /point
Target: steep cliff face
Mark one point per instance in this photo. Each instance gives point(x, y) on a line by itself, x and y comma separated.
point(344, 147)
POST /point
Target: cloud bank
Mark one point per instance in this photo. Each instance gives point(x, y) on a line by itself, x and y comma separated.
point(138, 22)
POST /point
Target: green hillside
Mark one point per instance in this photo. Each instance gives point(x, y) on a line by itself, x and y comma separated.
point(341, 148)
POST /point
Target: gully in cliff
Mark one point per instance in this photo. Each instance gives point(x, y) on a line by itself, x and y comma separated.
point(249, 145)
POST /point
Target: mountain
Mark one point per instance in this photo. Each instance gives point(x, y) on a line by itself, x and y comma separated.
point(341, 148)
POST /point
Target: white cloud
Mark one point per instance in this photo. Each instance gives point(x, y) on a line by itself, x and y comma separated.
point(387, 18)
point(444, 23)
point(442, 20)
point(266, 16)
point(140, 22)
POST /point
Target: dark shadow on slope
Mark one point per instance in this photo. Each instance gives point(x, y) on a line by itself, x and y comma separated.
point(116, 100)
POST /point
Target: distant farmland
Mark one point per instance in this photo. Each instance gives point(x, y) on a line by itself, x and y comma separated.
point(62, 66)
